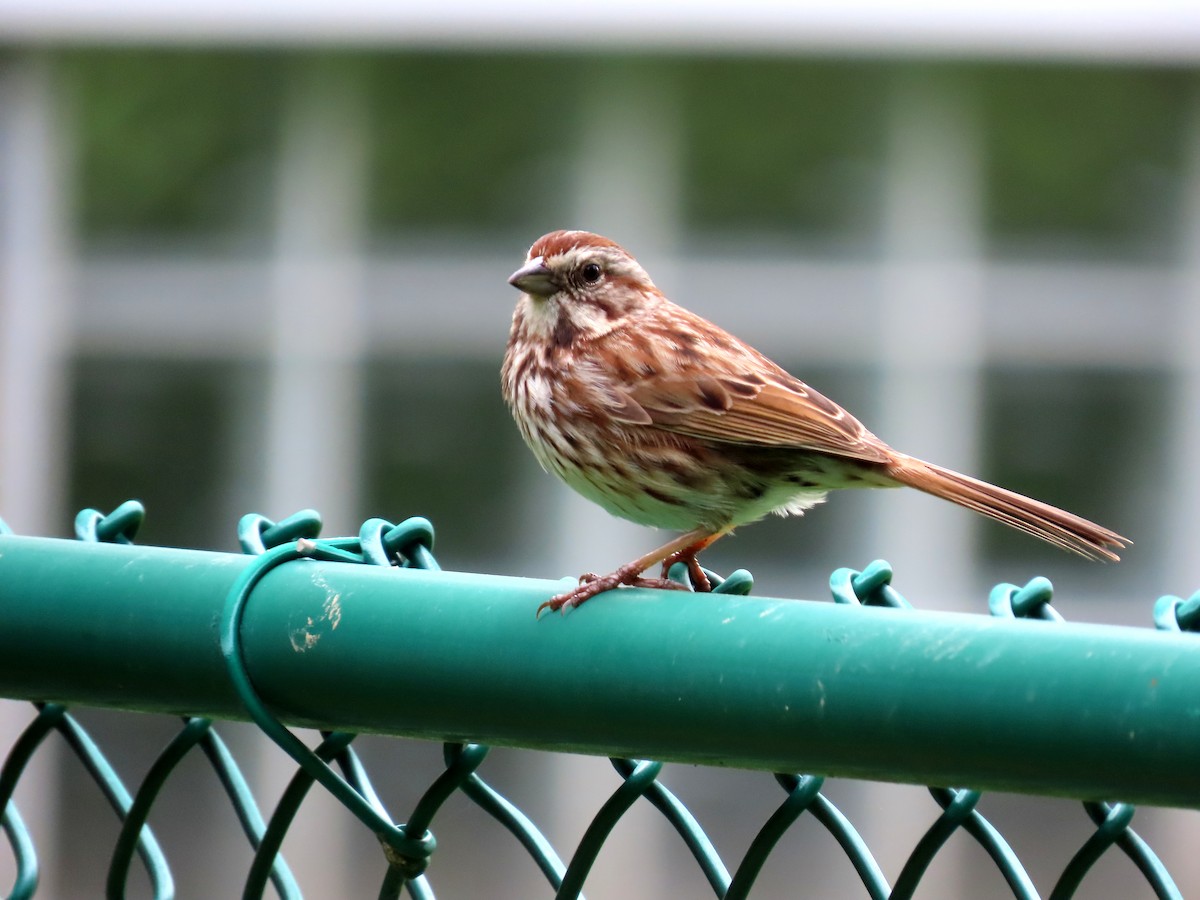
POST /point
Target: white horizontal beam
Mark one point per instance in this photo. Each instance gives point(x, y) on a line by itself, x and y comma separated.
point(1073, 313)
point(1148, 31)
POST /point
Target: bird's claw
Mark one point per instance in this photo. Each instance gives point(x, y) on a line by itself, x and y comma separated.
point(591, 584)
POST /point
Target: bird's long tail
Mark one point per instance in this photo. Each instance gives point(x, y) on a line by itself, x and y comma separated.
point(1051, 524)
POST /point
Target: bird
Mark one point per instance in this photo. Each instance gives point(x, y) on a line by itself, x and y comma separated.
point(664, 418)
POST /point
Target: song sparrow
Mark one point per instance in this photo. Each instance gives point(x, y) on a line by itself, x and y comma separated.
point(665, 419)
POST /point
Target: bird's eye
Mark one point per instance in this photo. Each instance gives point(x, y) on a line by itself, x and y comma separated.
point(591, 273)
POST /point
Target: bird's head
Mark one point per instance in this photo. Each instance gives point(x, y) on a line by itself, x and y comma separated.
point(578, 285)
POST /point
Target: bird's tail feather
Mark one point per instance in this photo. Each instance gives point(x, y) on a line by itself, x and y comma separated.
point(1051, 524)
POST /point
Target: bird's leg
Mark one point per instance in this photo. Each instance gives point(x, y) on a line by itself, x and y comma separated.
point(630, 574)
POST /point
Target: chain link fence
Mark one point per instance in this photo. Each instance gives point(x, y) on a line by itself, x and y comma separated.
point(240, 690)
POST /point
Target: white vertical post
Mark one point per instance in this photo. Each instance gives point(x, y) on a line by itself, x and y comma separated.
point(930, 349)
point(1180, 562)
point(314, 392)
point(930, 341)
point(627, 188)
point(627, 181)
point(35, 345)
point(1183, 431)
point(35, 265)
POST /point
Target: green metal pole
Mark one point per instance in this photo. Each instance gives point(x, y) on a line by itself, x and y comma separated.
point(931, 698)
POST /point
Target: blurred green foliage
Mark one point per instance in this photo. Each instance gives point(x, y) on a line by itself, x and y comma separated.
point(470, 142)
point(184, 141)
point(173, 141)
point(1094, 152)
point(775, 145)
point(154, 430)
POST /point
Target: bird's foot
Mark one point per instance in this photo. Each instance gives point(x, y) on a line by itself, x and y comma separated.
point(591, 584)
point(700, 582)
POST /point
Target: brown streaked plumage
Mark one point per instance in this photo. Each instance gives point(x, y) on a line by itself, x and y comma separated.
point(665, 419)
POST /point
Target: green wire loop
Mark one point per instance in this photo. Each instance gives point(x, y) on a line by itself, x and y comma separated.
point(739, 583)
point(685, 824)
point(394, 836)
point(1114, 823)
point(870, 587)
point(118, 527)
point(258, 534)
point(801, 796)
point(954, 815)
point(512, 819)
point(1174, 614)
point(285, 812)
point(24, 854)
point(1151, 867)
point(410, 542)
point(139, 809)
point(407, 847)
point(635, 785)
point(1007, 601)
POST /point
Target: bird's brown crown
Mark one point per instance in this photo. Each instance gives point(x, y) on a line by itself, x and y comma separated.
point(557, 243)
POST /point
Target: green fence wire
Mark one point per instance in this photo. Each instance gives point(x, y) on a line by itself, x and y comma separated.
point(865, 687)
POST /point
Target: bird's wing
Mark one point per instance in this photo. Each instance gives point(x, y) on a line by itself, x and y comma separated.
point(705, 383)
point(739, 411)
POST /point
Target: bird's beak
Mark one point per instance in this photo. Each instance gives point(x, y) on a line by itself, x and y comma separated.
point(533, 278)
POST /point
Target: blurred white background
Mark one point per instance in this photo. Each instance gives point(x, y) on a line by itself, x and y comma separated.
point(253, 258)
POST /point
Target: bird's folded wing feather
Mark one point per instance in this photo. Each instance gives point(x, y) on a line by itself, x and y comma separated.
point(701, 381)
point(741, 412)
